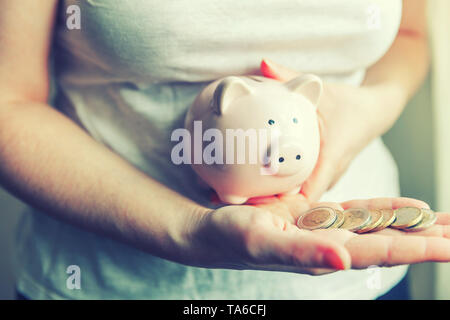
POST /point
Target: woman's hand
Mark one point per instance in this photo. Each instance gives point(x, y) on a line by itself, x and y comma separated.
point(265, 237)
point(349, 119)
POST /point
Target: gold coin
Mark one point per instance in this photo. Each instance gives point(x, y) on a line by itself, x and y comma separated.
point(339, 220)
point(317, 218)
point(356, 219)
point(388, 219)
point(375, 221)
point(429, 218)
point(407, 217)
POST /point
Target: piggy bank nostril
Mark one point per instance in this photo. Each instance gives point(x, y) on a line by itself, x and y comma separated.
point(298, 157)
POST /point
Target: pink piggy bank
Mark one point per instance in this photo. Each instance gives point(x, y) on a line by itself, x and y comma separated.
point(272, 126)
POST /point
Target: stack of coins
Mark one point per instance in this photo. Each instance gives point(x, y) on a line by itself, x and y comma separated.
point(361, 220)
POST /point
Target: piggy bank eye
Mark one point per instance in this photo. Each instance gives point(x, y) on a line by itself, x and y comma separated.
point(271, 122)
point(298, 157)
point(281, 159)
point(295, 120)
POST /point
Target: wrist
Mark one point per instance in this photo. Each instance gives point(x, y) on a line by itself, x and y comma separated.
point(184, 237)
point(158, 220)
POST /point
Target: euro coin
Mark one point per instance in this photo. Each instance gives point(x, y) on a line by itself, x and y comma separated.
point(317, 218)
point(406, 217)
point(339, 220)
point(375, 221)
point(388, 219)
point(355, 219)
point(429, 218)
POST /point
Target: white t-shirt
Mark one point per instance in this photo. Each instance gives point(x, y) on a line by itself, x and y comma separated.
point(129, 75)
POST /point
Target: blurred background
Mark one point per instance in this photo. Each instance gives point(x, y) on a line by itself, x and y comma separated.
point(419, 142)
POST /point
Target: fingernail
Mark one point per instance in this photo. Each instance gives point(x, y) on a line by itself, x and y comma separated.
point(268, 68)
point(333, 260)
point(268, 63)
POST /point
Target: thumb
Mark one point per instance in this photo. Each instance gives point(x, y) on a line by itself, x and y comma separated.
point(275, 71)
point(319, 181)
point(305, 249)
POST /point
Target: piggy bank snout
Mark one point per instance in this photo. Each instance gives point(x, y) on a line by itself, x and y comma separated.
point(286, 160)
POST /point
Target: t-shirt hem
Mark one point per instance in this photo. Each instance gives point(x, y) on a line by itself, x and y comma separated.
point(35, 291)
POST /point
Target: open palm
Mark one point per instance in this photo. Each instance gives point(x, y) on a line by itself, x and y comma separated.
point(264, 236)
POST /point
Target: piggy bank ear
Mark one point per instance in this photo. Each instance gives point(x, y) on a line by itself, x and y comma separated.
point(228, 90)
point(308, 85)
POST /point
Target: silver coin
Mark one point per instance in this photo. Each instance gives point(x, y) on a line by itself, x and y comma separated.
point(356, 219)
point(317, 218)
point(407, 217)
point(429, 218)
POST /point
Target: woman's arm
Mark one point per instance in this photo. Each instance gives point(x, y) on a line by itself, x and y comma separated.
point(49, 162)
point(351, 116)
point(397, 76)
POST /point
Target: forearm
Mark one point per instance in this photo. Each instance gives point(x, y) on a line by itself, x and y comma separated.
point(396, 77)
point(404, 66)
point(49, 162)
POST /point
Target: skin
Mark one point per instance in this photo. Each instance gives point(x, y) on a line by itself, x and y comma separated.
point(52, 164)
point(350, 116)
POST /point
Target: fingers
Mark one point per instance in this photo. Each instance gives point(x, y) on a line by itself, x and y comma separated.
point(443, 218)
point(385, 203)
point(376, 249)
point(391, 247)
point(441, 231)
point(273, 70)
point(265, 239)
point(316, 185)
point(309, 271)
point(302, 249)
point(333, 205)
point(309, 252)
point(262, 200)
